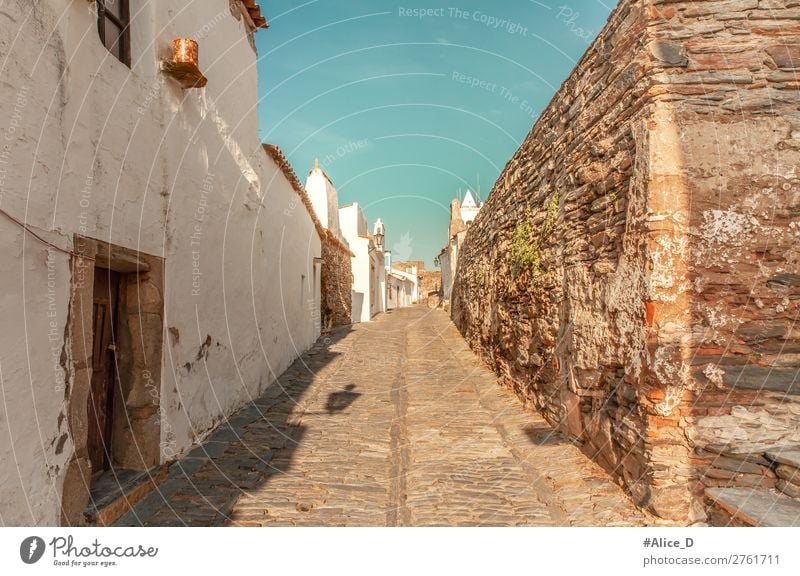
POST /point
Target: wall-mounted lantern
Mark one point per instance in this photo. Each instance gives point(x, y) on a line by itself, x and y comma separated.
point(184, 64)
point(379, 233)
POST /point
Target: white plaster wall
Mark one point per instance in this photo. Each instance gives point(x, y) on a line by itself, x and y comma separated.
point(361, 272)
point(379, 280)
point(400, 298)
point(446, 263)
point(404, 297)
point(127, 157)
point(409, 283)
point(354, 230)
point(449, 263)
point(382, 282)
point(468, 214)
point(391, 299)
point(408, 292)
point(325, 200)
point(356, 233)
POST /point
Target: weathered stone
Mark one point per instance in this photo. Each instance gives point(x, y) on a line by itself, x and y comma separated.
point(756, 508)
point(787, 456)
point(786, 57)
point(738, 466)
point(784, 380)
point(784, 280)
point(75, 497)
point(720, 8)
point(669, 53)
point(337, 281)
point(687, 287)
point(791, 490)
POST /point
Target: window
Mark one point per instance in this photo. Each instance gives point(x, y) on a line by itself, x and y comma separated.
point(114, 27)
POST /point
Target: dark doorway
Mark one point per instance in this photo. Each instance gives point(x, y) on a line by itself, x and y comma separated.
point(101, 393)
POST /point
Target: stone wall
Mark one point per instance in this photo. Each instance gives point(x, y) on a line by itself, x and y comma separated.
point(732, 194)
point(634, 272)
point(430, 283)
point(337, 282)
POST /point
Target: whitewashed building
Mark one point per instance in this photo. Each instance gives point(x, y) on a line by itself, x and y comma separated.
point(402, 289)
point(402, 283)
point(369, 274)
point(461, 216)
point(469, 208)
point(324, 198)
point(160, 269)
point(337, 258)
point(399, 290)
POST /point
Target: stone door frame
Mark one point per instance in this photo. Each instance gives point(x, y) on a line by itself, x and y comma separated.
point(136, 435)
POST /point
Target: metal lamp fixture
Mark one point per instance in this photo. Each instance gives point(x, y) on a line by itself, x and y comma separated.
point(184, 64)
point(379, 233)
point(184, 51)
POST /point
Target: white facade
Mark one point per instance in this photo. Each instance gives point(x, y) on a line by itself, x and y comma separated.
point(402, 288)
point(369, 275)
point(125, 156)
point(324, 198)
point(448, 262)
point(469, 208)
point(465, 213)
point(399, 290)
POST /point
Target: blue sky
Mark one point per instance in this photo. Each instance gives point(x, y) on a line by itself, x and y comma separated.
point(405, 104)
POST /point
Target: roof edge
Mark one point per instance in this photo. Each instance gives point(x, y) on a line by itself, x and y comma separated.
point(277, 156)
point(254, 10)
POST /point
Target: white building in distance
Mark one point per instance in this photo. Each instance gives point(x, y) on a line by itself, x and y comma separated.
point(402, 283)
point(369, 274)
point(469, 208)
point(324, 198)
point(400, 289)
point(462, 215)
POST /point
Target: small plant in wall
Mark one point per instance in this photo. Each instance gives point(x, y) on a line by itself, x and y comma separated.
point(524, 248)
point(527, 243)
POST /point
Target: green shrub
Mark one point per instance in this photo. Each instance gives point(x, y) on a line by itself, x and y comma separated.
point(527, 244)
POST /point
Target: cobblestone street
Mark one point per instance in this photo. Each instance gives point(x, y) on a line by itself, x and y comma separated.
point(412, 430)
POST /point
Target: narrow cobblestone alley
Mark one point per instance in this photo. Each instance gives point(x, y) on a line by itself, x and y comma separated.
point(411, 431)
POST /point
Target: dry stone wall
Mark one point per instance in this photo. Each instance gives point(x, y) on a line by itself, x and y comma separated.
point(337, 282)
point(733, 188)
point(634, 272)
point(430, 286)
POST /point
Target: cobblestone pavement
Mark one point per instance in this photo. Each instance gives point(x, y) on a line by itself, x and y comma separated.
point(397, 423)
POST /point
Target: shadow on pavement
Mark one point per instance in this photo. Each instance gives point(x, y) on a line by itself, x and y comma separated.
point(244, 452)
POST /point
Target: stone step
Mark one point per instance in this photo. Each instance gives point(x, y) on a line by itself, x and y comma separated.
point(117, 491)
point(756, 507)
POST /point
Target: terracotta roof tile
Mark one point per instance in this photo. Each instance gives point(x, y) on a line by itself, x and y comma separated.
point(255, 13)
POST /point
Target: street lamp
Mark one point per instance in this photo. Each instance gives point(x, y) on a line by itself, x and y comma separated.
point(379, 233)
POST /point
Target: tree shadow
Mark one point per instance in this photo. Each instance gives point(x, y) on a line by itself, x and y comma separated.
point(340, 401)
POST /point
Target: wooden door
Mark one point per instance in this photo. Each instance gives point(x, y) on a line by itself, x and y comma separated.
point(101, 394)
